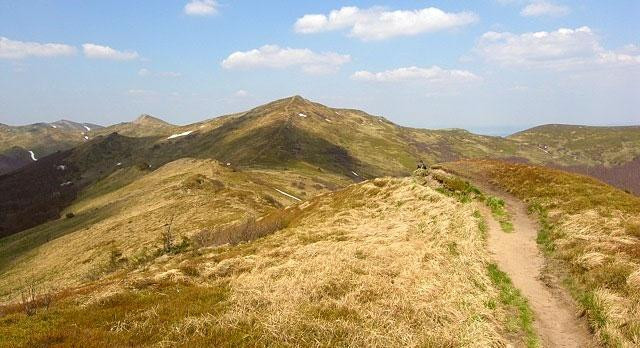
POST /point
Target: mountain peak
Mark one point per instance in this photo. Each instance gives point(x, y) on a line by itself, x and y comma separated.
point(148, 119)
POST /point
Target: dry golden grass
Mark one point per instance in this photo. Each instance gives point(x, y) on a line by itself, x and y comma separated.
point(382, 278)
point(126, 212)
point(388, 262)
point(590, 228)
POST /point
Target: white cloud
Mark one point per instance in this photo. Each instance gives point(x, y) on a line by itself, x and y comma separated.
point(621, 57)
point(377, 23)
point(560, 49)
point(241, 93)
point(434, 74)
point(10, 49)
point(544, 8)
point(144, 72)
point(201, 8)
point(273, 56)
point(106, 52)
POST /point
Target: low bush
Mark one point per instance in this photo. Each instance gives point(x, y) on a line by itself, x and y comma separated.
point(31, 300)
point(201, 182)
point(190, 270)
point(247, 229)
point(272, 201)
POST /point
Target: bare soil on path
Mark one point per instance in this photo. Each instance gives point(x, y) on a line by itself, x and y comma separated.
point(517, 254)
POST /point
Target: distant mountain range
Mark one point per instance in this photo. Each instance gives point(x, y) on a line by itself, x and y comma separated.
point(563, 145)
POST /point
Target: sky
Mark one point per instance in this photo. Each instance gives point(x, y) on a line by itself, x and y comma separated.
point(491, 66)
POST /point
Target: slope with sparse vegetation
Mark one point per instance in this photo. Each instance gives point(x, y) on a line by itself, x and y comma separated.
point(592, 230)
point(583, 145)
point(361, 266)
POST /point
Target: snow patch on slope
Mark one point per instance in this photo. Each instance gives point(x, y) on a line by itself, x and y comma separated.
point(33, 156)
point(288, 195)
point(179, 134)
point(87, 128)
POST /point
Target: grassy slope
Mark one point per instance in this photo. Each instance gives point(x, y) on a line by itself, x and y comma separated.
point(584, 145)
point(39, 139)
point(43, 138)
point(364, 266)
point(126, 211)
point(593, 230)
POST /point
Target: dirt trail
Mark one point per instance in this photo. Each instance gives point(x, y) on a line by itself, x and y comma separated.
point(518, 255)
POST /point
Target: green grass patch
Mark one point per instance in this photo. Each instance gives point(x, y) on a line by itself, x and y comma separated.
point(520, 314)
point(544, 237)
point(455, 187)
point(499, 211)
point(482, 224)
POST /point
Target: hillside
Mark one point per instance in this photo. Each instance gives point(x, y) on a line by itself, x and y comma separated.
point(590, 231)
point(583, 145)
point(355, 139)
point(287, 134)
point(13, 158)
point(611, 154)
point(371, 258)
point(45, 138)
point(39, 140)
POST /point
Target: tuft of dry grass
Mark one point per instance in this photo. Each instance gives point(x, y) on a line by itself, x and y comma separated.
point(591, 230)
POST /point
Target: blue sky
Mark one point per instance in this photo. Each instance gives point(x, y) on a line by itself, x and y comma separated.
point(491, 66)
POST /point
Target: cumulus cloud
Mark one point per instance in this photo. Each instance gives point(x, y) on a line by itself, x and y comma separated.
point(377, 23)
point(201, 8)
point(544, 8)
point(11, 49)
point(106, 52)
point(561, 49)
point(273, 56)
point(434, 74)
